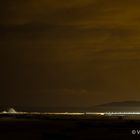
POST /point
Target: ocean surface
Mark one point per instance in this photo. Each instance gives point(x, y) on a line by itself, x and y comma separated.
point(68, 126)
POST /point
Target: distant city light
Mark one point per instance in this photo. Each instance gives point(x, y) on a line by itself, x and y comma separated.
point(122, 113)
point(12, 111)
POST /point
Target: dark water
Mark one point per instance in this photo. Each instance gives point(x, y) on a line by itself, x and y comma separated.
point(54, 127)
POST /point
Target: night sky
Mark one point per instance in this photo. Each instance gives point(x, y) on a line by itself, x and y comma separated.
point(65, 53)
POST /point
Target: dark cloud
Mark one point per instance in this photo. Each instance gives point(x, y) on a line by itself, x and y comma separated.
point(86, 51)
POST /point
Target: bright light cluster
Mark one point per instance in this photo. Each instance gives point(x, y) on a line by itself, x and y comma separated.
point(122, 113)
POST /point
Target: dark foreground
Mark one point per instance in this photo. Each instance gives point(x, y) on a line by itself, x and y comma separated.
point(37, 127)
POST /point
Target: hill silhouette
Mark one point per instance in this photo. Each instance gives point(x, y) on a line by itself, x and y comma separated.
point(125, 106)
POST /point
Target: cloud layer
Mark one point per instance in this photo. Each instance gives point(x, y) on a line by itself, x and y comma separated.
point(81, 45)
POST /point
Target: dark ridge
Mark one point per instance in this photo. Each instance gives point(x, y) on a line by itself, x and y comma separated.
point(125, 106)
point(124, 103)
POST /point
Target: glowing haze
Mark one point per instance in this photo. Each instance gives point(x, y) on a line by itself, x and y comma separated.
point(69, 52)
